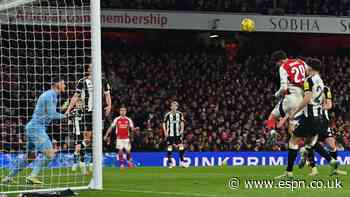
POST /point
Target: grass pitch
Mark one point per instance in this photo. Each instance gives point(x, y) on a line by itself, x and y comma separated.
point(211, 182)
point(214, 182)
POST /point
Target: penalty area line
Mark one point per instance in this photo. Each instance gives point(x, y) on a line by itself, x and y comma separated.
point(161, 193)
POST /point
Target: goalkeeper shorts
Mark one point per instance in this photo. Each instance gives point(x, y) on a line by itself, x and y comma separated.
point(37, 139)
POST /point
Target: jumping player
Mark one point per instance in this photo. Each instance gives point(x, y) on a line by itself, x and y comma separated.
point(309, 124)
point(290, 93)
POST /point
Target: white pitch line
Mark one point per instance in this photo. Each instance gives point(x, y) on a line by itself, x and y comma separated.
point(163, 193)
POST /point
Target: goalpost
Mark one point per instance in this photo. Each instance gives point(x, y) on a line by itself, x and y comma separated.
point(41, 39)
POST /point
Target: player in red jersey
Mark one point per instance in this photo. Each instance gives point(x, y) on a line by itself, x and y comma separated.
point(122, 125)
point(292, 76)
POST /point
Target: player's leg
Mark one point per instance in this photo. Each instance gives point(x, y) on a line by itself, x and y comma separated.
point(181, 149)
point(330, 140)
point(79, 151)
point(120, 153)
point(293, 146)
point(310, 156)
point(307, 152)
point(170, 148)
point(333, 152)
point(274, 115)
point(279, 111)
point(20, 164)
point(43, 144)
point(87, 150)
point(76, 156)
point(88, 140)
point(127, 148)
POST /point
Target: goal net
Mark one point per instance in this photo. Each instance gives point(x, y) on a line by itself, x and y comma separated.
point(41, 40)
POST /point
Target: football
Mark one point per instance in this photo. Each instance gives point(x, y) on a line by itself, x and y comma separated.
point(247, 25)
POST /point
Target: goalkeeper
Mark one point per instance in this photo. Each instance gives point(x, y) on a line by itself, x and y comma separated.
point(37, 138)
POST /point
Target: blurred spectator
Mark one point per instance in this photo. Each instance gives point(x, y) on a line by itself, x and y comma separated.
point(225, 103)
point(307, 7)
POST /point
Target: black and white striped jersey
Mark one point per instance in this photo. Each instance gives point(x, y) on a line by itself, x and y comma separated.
point(173, 122)
point(315, 85)
point(84, 89)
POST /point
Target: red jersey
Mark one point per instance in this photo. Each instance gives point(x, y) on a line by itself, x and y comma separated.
point(122, 126)
point(295, 70)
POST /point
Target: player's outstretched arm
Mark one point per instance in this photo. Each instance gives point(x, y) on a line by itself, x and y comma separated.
point(165, 130)
point(107, 94)
point(328, 101)
point(283, 82)
point(105, 138)
point(108, 102)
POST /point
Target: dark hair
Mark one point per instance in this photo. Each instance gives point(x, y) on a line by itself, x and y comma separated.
point(86, 68)
point(278, 55)
point(315, 64)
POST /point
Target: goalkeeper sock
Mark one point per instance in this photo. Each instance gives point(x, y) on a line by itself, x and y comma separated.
point(39, 163)
point(19, 165)
point(292, 154)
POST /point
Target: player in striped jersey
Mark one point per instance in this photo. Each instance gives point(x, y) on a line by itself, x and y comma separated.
point(327, 136)
point(309, 125)
point(84, 94)
point(76, 121)
point(173, 126)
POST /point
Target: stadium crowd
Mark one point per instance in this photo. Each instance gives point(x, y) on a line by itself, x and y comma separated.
point(225, 103)
point(308, 7)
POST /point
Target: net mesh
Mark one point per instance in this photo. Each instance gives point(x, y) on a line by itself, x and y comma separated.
point(39, 40)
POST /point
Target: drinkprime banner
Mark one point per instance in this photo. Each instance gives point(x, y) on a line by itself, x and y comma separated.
point(194, 159)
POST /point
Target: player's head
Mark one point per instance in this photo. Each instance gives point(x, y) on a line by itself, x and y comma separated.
point(122, 111)
point(313, 65)
point(174, 105)
point(87, 69)
point(277, 57)
point(58, 85)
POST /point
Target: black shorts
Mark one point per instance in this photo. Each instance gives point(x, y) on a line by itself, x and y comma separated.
point(87, 121)
point(171, 140)
point(308, 127)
